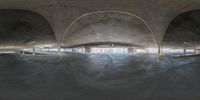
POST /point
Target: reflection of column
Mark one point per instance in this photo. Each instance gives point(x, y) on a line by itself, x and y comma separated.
point(184, 51)
point(34, 51)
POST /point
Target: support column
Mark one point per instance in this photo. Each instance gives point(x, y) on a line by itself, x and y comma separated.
point(59, 52)
point(160, 53)
point(131, 50)
point(184, 51)
point(87, 49)
point(147, 51)
point(83, 50)
point(34, 51)
point(73, 50)
point(23, 51)
point(158, 50)
point(195, 51)
point(135, 50)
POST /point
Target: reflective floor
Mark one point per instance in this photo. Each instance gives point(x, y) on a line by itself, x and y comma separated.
point(99, 77)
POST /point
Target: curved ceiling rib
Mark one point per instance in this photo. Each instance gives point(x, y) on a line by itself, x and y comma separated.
point(22, 27)
point(87, 14)
point(99, 17)
point(183, 31)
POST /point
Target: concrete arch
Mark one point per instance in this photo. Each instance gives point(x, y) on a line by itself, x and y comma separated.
point(183, 30)
point(67, 34)
point(19, 27)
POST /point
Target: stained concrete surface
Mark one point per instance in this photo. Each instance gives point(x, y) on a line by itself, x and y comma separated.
point(183, 29)
point(109, 27)
point(98, 77)
point(21, 27)
point(61, 13)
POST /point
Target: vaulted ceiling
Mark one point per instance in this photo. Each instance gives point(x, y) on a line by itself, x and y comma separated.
point(64, 17)
point(20, 27)
point(184, 31)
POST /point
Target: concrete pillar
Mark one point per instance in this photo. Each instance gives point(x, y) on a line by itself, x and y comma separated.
point(135, 50)
point(195, 51)
point(33, 51)
point(73, 50)
point(19, 52)
point(184, 51)
point(22, 51)
point(59, 51)
point(83, 50)
point(147, 51)
point(131, 50)
point(87, 50)
point(159, 52)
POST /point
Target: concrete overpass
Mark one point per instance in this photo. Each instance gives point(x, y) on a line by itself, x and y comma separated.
point(57, 25)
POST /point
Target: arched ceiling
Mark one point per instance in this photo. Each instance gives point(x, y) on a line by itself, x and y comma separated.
point(61, 13)
point(184, 31)
point(109, 27)
point(24, 28)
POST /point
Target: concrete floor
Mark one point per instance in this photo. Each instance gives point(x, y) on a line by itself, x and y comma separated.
point(98, 77)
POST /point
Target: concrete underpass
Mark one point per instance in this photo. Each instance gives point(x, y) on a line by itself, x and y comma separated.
point(99, 50)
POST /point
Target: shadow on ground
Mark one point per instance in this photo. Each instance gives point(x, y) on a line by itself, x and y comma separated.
point(98, 77)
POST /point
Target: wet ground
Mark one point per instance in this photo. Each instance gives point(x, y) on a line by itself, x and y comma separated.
point(99, 77)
